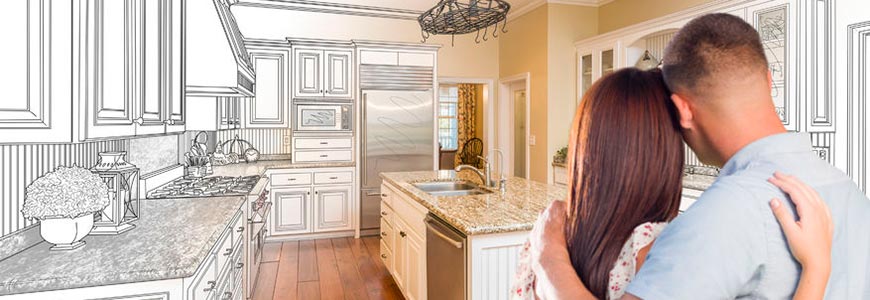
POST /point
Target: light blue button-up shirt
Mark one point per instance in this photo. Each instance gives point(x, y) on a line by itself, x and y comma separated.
point(729, 245)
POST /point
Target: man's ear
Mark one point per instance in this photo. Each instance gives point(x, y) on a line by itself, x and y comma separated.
point(684, 108)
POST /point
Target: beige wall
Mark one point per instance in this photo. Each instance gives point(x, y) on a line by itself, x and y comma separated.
point(566, 25)
point(622, 13)
point(466, 59)
point(524, 49)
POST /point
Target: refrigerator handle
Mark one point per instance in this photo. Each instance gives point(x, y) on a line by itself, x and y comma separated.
point(362, 137)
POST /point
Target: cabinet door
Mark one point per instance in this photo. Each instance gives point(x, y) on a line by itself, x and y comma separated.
point(337, 74)
point(174, 53)
point(308, 73)
point(270, 106)
point(399, 253)
point(775, 24)
point(332, 208)
point(204, 283)
point(38, 61)
point(113, 62)
point(292, 210)
point(415, 256)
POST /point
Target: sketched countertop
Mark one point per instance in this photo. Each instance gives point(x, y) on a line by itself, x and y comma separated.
point(170, 241)
point(270, 162)
point(516, 210)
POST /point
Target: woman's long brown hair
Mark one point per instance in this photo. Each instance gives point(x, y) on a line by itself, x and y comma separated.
point(625, 168)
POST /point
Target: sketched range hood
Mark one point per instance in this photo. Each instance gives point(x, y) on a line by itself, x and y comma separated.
point(217, 63)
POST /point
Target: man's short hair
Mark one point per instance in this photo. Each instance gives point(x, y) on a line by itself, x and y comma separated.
point(710, 50)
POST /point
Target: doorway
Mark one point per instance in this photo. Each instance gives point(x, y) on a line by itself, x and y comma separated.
point(513, 132)
point(452, 92)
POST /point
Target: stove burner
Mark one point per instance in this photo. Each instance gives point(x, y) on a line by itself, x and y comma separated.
point(205, 187)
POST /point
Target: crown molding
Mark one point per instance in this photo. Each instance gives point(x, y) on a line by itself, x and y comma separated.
point(520, 11)
point(334, 8)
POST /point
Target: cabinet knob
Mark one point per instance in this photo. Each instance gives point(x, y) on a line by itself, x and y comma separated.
point(383, 213)
point(402, 233)
point(228, 295)
point(139, 121)
point(383, 233)
point(384, 256)
point(210, 287)
point(169, 122)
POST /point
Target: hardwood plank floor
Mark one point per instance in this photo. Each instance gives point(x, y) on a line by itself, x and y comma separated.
point(340, 268)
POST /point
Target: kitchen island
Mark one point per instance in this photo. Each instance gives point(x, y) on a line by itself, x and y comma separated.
point(173, 240)
point(485, 231)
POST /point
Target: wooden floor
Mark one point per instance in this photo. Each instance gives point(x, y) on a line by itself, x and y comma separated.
point(340, 268)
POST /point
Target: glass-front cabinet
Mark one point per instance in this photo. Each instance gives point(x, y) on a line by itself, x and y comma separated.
point(585, 75)
point(607, 65)
point(593, 63)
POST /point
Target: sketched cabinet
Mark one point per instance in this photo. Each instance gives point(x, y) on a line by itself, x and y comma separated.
point(332, 208)
point(775, 22)
point(270, 107)
point(130, 67)
point(292, 207)
point(36, 105)
point(323, 74)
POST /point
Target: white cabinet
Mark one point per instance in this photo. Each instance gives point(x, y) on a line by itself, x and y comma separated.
point(403, 246)
point(292, 210)
point(36, 106)
point(332, 211)
point(270, 108)
point(131, 55)
point(323, 74)
point(312, 201)
point(214, 113)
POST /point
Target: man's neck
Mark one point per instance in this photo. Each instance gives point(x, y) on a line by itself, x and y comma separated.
point(746, 134)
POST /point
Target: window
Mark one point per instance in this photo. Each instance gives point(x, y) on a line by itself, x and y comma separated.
point(447, 122)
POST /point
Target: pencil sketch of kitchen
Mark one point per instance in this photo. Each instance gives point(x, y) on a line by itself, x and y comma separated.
point(212, 149)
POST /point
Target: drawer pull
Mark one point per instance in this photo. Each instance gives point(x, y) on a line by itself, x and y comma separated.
point(240, 229)
point(324, 155)
point(383, 213)
point(324, 143)
point(402, 233)
point(383, 233)
point(291, 179)
point(210, 287)
point(333, 178)
point(228, 295)
point(240, 265)
point(229, 252)
point(384, 256)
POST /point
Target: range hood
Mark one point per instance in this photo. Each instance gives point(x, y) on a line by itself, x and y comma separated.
point(217, 63)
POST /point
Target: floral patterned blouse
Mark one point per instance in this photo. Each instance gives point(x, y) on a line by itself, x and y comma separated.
point(621, 274)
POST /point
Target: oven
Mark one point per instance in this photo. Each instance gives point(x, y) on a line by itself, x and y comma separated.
point(323, 117)
point(260, 207)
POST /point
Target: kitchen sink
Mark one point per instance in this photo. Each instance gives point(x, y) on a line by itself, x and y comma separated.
point(450, 188)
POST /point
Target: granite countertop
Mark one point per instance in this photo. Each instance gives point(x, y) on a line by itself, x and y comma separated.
point(165, 244)
point(269, 162)
point(516, 210)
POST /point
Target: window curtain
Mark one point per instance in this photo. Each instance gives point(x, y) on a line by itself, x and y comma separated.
point(465, 109)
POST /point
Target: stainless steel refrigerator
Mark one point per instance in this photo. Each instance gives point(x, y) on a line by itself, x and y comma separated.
point(398, 135)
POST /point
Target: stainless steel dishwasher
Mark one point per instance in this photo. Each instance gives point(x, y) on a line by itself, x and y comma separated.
point(445, 260)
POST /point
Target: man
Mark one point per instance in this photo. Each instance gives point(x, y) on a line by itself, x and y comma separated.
point(728, 244)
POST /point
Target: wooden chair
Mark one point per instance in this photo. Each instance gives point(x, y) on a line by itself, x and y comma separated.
point(470, 153)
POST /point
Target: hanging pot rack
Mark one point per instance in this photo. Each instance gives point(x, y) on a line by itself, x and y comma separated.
point(454, 17)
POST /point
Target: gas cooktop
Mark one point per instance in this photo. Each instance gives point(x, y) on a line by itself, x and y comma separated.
point(212, 186)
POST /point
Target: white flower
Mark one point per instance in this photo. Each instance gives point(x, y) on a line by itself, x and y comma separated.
point(66, 192)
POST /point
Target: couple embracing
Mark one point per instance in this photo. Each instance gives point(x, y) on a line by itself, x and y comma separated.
point(755, 233)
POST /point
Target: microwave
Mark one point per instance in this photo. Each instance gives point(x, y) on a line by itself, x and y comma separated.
point(315, 117)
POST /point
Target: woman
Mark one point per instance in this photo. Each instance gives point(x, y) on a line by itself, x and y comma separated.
point(625, 168)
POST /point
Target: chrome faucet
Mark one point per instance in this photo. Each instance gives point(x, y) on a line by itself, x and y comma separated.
point(486, 174)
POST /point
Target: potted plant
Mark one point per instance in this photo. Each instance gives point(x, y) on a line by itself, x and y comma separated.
point(65, 201)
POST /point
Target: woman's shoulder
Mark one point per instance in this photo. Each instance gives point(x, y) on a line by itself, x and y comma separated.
point(626, 264)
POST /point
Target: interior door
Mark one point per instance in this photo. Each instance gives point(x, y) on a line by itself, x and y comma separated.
point(292, 208)
point(338, 70)
point(308, 73)
point(114, 54)
point(851, 30)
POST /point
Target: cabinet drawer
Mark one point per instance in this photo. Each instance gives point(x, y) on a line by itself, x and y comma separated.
point(224, 252)
point(237, 229)
point(387, 213)
point(416, 59)
point(333, 177)
point(387, 257)
point(205, 282)
point(387, 195)
point(317, 156)
point(323, 143)
point(387, 234)
point(290, 179)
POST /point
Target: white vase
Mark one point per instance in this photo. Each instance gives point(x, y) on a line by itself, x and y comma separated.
point(66, 233)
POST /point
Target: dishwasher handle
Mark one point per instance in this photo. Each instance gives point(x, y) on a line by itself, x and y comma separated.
point(438, 233)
